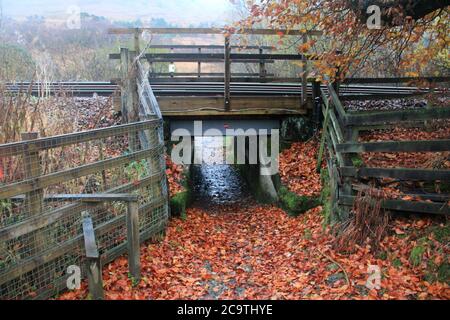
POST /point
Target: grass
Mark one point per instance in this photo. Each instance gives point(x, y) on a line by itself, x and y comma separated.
point(416, 255)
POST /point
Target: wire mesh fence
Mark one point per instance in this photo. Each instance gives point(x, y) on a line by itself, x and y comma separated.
point(41, 228)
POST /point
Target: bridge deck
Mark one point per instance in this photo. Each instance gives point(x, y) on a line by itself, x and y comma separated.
point(207, 98)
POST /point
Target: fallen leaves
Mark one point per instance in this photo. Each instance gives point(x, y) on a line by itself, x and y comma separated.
point(174, 176)
point(258, 252)
point(264, 254)
point(298, 168)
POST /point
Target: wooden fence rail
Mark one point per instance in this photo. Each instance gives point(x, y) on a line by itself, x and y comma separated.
point(340, 135)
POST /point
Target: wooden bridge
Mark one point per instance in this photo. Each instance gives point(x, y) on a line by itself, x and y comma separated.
point(219, 93)
point(238, 94)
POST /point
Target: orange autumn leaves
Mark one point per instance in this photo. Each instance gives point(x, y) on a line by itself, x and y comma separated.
point(258, 252)
point(298, 168)
point(174, 176)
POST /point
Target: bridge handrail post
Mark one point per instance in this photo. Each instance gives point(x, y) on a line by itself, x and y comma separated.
point(304, 72)
point(262, 65)
point(227, 74)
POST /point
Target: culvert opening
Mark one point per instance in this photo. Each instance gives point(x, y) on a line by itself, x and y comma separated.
point(215, 182)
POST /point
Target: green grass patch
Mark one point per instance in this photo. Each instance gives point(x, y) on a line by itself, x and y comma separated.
point(442, 234)
point(417, 252)
point(357, 160)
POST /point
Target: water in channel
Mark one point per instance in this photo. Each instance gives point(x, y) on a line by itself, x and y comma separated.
point(215, 182)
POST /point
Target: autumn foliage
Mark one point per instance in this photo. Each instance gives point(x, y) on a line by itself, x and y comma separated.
point(401, 45)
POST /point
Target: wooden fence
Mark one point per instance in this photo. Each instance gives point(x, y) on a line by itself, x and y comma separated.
point(341, 130)
point(62, 185)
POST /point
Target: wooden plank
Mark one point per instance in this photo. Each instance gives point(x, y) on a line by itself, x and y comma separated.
point(17, 148)
point(333, 139)
point(122, 31)
point(86, 198)
point(205, 74)
point(134, 263)
point(199, 66)
point(324, 132)
point(395, 146)
point(41, 182)
point(396, 116)
point(217, 56)
point(396, 80)
point(208, 47)
point(221, 79)
point(435, 197)
point(397, 173)
point(405, 206)
point(337, 103)
point(90, 245)
point(33, 199)
point(170, 105)
point(262, 66)
point(95, 278)
point(100, 197)
point(334, 125)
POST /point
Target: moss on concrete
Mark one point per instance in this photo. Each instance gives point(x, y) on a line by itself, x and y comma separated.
point(294, 204)
point(181, 201)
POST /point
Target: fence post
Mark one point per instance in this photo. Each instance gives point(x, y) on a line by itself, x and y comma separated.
point(262, 65)
point(199, 66)
point(317, 104)
point(227, 78)
point(33, 199)
point(130, 102)
point(304, 72)
point(93, 263)
point(133, 240)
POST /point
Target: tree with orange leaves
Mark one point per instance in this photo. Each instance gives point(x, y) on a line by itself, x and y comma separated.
point(410, 40)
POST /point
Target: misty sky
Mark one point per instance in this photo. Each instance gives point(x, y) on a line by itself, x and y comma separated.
point(175, 11)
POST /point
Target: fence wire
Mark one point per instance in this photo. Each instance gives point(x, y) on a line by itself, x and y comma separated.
point(41, 231)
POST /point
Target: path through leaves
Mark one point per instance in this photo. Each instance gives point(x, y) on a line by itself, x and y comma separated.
point(258, 252)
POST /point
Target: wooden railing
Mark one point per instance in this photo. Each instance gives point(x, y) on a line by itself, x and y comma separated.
point(227, 57)
point(340, 135)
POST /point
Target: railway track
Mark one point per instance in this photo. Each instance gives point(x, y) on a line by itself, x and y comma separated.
point(86, 89)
